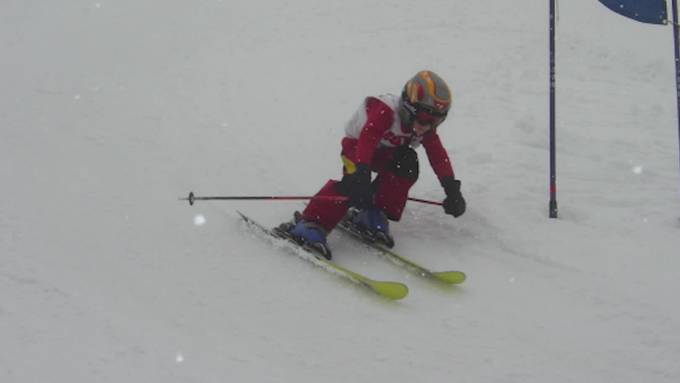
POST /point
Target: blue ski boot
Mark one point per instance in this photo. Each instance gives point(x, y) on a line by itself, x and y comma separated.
point(307, 233)
point(373, 225)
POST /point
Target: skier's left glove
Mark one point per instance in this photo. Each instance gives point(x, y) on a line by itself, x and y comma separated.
point(454, 204)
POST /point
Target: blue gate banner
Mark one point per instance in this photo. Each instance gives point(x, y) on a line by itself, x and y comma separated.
point(644, 11)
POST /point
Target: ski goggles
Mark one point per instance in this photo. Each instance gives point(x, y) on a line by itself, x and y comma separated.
point(426, 115)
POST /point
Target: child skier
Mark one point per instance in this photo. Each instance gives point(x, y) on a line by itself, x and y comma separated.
point(381, 137)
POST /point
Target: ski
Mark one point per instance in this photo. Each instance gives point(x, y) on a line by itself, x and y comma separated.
point(387, 289)
point(451, 277)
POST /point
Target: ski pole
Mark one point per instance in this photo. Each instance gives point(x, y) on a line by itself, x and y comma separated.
point(425, 201)
point(192, 198)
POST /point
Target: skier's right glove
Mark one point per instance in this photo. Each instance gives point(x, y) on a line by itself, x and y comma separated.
point(357, 186)
point(454, 204)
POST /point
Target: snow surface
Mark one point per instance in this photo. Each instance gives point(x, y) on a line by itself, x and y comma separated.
point(112, 110)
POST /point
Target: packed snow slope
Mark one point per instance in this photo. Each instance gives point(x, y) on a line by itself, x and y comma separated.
point(112, 110)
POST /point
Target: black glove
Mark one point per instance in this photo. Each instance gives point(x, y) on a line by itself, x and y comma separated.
point(357, 186)
point(454, 204)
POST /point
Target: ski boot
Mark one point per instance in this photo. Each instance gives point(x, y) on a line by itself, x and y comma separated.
point(372, 224)
point(306, 233)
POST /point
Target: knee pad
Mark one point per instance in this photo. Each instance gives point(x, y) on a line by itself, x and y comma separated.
point(405, 163)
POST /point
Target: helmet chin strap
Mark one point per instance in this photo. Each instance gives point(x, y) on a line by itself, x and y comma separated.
point(407, 113)
point(407, 126)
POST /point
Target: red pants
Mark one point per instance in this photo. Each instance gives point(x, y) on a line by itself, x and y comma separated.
point(391, 191)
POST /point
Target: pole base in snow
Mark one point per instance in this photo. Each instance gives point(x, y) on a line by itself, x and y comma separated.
point(553, 209)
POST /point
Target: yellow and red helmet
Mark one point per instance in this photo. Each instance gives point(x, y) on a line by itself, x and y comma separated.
point(425, 98)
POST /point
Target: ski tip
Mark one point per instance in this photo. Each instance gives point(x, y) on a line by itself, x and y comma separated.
point(390, 290)
point(450, 277)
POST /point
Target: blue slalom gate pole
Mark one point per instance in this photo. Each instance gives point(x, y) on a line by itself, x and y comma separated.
point(676, 38)
point(553, 172)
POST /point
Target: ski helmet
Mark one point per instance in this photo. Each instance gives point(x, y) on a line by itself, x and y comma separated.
point(425, 98)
